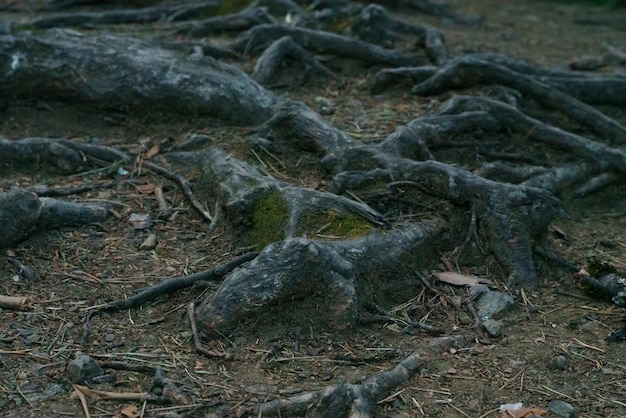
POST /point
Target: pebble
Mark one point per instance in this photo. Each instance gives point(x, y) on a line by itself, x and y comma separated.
point(558, 362)
point(82, 369)
point(452, 341)
point(493, 327)
point(492, 304)
point(590, 326)
point(561, 409)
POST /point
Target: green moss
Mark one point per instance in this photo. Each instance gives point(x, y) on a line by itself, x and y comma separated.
point(332, 225)
point(232, 6)
point(601, 3)
point(269, 216)
point(17, 28)
point(339, 26)
point(598, 268)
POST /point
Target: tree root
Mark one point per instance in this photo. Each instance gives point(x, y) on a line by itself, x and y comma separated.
point(42, 151)
point(174, 284)
point(243, 20)
point(112, 155)
point(261, 36)
point(249, 196)
point(343, 400)
point(285, 48)
point(23, 214)
point(121, 16)
point(468, 71)
point(291, 273)
point(155, 78)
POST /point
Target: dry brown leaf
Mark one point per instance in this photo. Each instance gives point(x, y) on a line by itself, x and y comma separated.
point(457, 279)
point(146, 188)
point(131, 411)
point(524, 412)
point(394, 328)
point(153, 151)
point(149, 243)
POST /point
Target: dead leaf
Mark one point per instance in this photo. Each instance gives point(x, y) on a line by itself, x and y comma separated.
point(153, 151)
point(131, 411)
point(393, 327)
point(140, 220)
point(457, 279)
point(149, 243)
point(524, 412)
point(146, 188)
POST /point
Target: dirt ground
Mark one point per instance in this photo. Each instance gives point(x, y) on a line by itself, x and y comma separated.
point(552, 345)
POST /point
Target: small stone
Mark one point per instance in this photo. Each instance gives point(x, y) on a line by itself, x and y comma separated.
point(109, 338)
point(355, 377)
point(447, 342)
point(105, 378)
point(82, 369)
point(473, 405)
point(590, 326)
point(558, 362)
point(261, 389)
point(491, 304)
point(493, 327)
point(561, 409)
point(149, 243)
point(465, 319)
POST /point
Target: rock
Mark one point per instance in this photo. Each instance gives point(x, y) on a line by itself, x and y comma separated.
point(491, 304)
point(558, 362)
point(473, 405)
point(493, 327)
point(33, 338)
point(261, 389)
point(590, 326)
point(447, 342)
point(561, 409)
point(82, 369)
point(465, 319)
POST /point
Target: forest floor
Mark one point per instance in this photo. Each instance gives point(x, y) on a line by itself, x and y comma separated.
point(553, 344)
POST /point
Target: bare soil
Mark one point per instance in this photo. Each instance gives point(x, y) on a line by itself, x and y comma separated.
point(552, 346)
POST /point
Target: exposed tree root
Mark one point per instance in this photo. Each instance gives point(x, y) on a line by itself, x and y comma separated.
point(23, 214)
point(112, 155)
point(260, 37)
point(42, 151)
point(515, 217)
point(260, 201)
point(174, 284)
point(120, 16)
point(285, 49)
point(319, 283)
point(243, 20)
point(295, 125)
point(392, 206)
point(468, 71)
point(64, 65)
point(597, 156)
point(343, 400)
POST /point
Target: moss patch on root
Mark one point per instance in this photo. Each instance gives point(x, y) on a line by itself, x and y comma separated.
point(331, 225)
point(232, 6)
point(269, 216)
